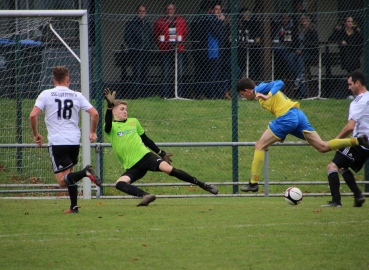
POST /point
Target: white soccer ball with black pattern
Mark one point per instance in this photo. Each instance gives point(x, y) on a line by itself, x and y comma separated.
point(293, 195)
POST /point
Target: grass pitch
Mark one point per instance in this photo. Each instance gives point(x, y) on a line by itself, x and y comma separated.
point(191, 233)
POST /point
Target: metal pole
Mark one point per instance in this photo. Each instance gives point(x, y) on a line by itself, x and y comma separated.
point(176, 70)
point(273, 64)
point(98, 166)
point(85, 89)
point(234, 32)
point(266, 174)
point(97, 32)
point(366, 71)
point(247, 61)
point(19, 86)
point(320, 74)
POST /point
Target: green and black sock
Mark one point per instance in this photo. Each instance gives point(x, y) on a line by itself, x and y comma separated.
point(181, 175)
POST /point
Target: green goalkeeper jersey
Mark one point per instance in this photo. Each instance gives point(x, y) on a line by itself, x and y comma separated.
point(127, 143)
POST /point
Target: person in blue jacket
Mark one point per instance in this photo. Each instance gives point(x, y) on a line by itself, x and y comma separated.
point(289, 120)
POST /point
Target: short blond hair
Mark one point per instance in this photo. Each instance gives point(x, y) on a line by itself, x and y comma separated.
point(60, 73)
point(119, 102)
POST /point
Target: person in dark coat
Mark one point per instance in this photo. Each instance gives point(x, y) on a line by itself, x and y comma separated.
point(138, 37)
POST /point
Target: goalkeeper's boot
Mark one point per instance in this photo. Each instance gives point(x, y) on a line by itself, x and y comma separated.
point(146, 199)
point(250, 187)
point(363, 140)
point(73, 210)
point(359, 201)
point(211, 188)
point(91, 174)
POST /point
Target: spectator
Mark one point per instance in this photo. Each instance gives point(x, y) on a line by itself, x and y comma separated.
point(282, 29)
point(305, 48)
point(138, 38)
point(250, 32)
point(298, 11)
point(199, 36)
point(217, 39)
point(170, 27)
point(281, 35)
point(350, 40)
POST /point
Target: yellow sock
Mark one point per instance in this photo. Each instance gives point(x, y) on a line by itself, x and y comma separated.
point(257, 165)
point(342, 143)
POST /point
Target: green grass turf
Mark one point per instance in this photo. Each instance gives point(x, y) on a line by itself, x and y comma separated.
point(201, 233)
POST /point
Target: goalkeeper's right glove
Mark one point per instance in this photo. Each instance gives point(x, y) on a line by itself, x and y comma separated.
point(110, 97)
point(166, 156)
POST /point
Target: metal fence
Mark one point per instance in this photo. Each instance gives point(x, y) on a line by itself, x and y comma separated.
point(190, 101)
point(51, 191)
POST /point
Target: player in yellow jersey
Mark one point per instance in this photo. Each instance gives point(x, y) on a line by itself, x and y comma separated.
point(289, 120)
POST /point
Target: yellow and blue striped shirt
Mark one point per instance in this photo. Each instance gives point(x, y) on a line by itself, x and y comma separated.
point(278, 104)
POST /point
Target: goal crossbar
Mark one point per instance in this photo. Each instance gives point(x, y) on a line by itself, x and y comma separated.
point(84, 61)
point(43, 13)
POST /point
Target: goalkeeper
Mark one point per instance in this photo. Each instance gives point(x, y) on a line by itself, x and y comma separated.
point(289, 120)
point(129, 142)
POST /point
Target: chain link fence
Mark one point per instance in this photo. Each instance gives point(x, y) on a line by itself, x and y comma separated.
point(177, 65)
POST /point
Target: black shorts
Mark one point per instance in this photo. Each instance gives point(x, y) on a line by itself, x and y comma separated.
point(150, 162)
point(63, 156)
point(353, 157)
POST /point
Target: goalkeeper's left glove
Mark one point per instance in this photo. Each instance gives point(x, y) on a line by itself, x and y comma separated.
point(165, 156)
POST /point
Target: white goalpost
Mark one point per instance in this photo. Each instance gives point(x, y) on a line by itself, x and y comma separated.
point(83, 58)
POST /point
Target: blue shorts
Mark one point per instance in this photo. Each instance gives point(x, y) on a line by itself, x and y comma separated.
point(293, 122)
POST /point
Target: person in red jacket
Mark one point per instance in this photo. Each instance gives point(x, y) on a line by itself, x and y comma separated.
point(170, 31)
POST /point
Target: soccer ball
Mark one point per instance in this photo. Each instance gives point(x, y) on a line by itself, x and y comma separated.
point(293, 195)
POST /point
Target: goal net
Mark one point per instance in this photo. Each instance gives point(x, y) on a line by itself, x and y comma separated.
point(29, 48)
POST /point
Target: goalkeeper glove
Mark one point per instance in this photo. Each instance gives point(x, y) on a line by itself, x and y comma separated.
point(165, 156)
point(109, 97)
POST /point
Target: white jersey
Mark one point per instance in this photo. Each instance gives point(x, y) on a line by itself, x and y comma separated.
point(61, 106)
point(359, 112)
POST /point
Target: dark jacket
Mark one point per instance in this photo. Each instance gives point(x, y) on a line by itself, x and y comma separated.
point(308, 42)
point(349, 54)
point(198, 32)
point(249, 29)
point(139, 34)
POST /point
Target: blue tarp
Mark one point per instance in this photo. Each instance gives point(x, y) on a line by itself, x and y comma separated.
point(23, 42)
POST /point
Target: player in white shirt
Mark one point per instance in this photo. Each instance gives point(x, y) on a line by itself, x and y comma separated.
point(352, 157)
point(61, 106)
